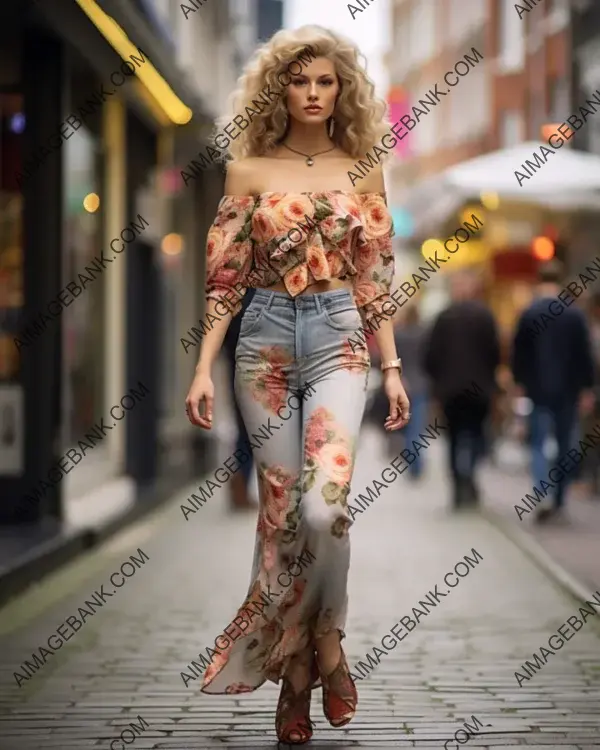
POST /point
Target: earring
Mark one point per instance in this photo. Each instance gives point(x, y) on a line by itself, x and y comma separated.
point(331, 127)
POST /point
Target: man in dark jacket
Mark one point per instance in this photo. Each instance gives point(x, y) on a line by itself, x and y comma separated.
point(462, 354)
point(552, 364)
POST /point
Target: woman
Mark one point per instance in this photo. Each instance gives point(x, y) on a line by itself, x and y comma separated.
point(314, 288)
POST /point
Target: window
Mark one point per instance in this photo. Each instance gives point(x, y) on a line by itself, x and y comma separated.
point(12, 124)
point(511, 128)
point(559, 100)
point(425, 136)
point(593, 136)
point(477, 104)
point(537, 114)
point(463, 17)
point(511, 41)
point(83, 320)
point(422, 31)
point(399, 54)
point(469, 111)
point(557, 15)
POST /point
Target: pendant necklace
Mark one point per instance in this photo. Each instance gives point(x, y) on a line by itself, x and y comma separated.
point(309, 157)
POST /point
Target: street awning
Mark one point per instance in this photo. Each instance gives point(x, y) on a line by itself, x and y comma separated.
point(568, 180)
point(527, 170)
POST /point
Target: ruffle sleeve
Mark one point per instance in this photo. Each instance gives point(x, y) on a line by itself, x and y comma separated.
point(374, 257)
point(229, 251)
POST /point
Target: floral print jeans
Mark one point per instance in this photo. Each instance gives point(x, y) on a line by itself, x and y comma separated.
point(304, 461)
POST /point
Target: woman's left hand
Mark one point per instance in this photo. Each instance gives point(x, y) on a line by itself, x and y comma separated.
point(399, 405)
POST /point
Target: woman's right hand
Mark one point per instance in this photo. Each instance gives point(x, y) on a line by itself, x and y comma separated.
point(201, 390)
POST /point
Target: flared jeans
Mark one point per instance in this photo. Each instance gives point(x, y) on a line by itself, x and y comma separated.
point(301, 387)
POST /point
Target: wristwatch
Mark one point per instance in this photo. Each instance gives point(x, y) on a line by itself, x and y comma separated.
point(392, 363)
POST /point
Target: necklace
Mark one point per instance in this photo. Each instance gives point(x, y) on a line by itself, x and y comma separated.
point(309, 157)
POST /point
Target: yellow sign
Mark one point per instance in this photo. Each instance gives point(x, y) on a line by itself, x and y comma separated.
point(470, 253)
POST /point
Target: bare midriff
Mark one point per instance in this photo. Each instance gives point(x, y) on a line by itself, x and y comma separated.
point(317, 288)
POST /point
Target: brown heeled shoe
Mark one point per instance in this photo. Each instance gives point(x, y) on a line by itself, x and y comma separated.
point(292, 720)
point(340, 697)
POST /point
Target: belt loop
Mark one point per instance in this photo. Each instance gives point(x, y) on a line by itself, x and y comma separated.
point(269, 300)
point(318, 303)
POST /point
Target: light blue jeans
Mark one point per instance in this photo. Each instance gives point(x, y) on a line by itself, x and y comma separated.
point(416, 425)
point(560, 421)
point(301, 391)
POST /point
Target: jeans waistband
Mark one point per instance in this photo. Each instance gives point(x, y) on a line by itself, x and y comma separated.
point(305, 301)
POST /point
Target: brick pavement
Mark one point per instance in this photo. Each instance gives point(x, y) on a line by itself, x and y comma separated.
point(574, 545)
point(458, 662)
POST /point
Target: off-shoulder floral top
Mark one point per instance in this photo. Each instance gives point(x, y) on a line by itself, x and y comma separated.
point(301, 238)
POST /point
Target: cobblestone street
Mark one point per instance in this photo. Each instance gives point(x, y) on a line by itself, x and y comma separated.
point(458, 664)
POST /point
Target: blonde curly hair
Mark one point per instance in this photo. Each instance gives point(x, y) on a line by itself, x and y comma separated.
point(360, 117)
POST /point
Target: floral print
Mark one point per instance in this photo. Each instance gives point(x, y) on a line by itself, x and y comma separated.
point(355, 357)
point(268, 381)
point(278, 515)
point(327, 448)
point(301, 238)
point(229, 249)
point(238, 687)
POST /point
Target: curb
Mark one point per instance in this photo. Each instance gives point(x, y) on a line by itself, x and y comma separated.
point(41, 561)
point(528, 545)
point(51, 555)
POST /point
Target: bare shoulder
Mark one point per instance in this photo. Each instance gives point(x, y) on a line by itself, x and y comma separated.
point(373, 181)
point(242, 177)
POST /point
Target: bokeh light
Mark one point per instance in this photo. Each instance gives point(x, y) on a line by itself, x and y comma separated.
point(491, 201)
point(171, 244)
point(543, 248)
point(91, 202)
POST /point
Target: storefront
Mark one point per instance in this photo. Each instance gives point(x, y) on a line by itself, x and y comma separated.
point(94, 257)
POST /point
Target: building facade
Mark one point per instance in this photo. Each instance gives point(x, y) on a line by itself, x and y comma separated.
point(102, 248)
point(586, 83)
point(503, 71)
point(522, 83)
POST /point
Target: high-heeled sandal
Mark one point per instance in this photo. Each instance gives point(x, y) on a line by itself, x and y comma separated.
point(340, 697)
point(292, 720)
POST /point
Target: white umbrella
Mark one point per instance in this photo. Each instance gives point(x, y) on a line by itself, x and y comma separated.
point(565, 182)
point(555, 171)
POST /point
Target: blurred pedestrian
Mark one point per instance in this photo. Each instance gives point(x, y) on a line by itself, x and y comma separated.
point(553, 365)
point(320, 257)
point(592, 460)
point(594, 323)
point(410, 336)
point(239, 496)
point(462, 354)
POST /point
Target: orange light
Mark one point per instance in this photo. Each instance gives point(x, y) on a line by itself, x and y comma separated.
point(91, 202)
point(171, 244)
point(543, 248)
point(553, 128)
